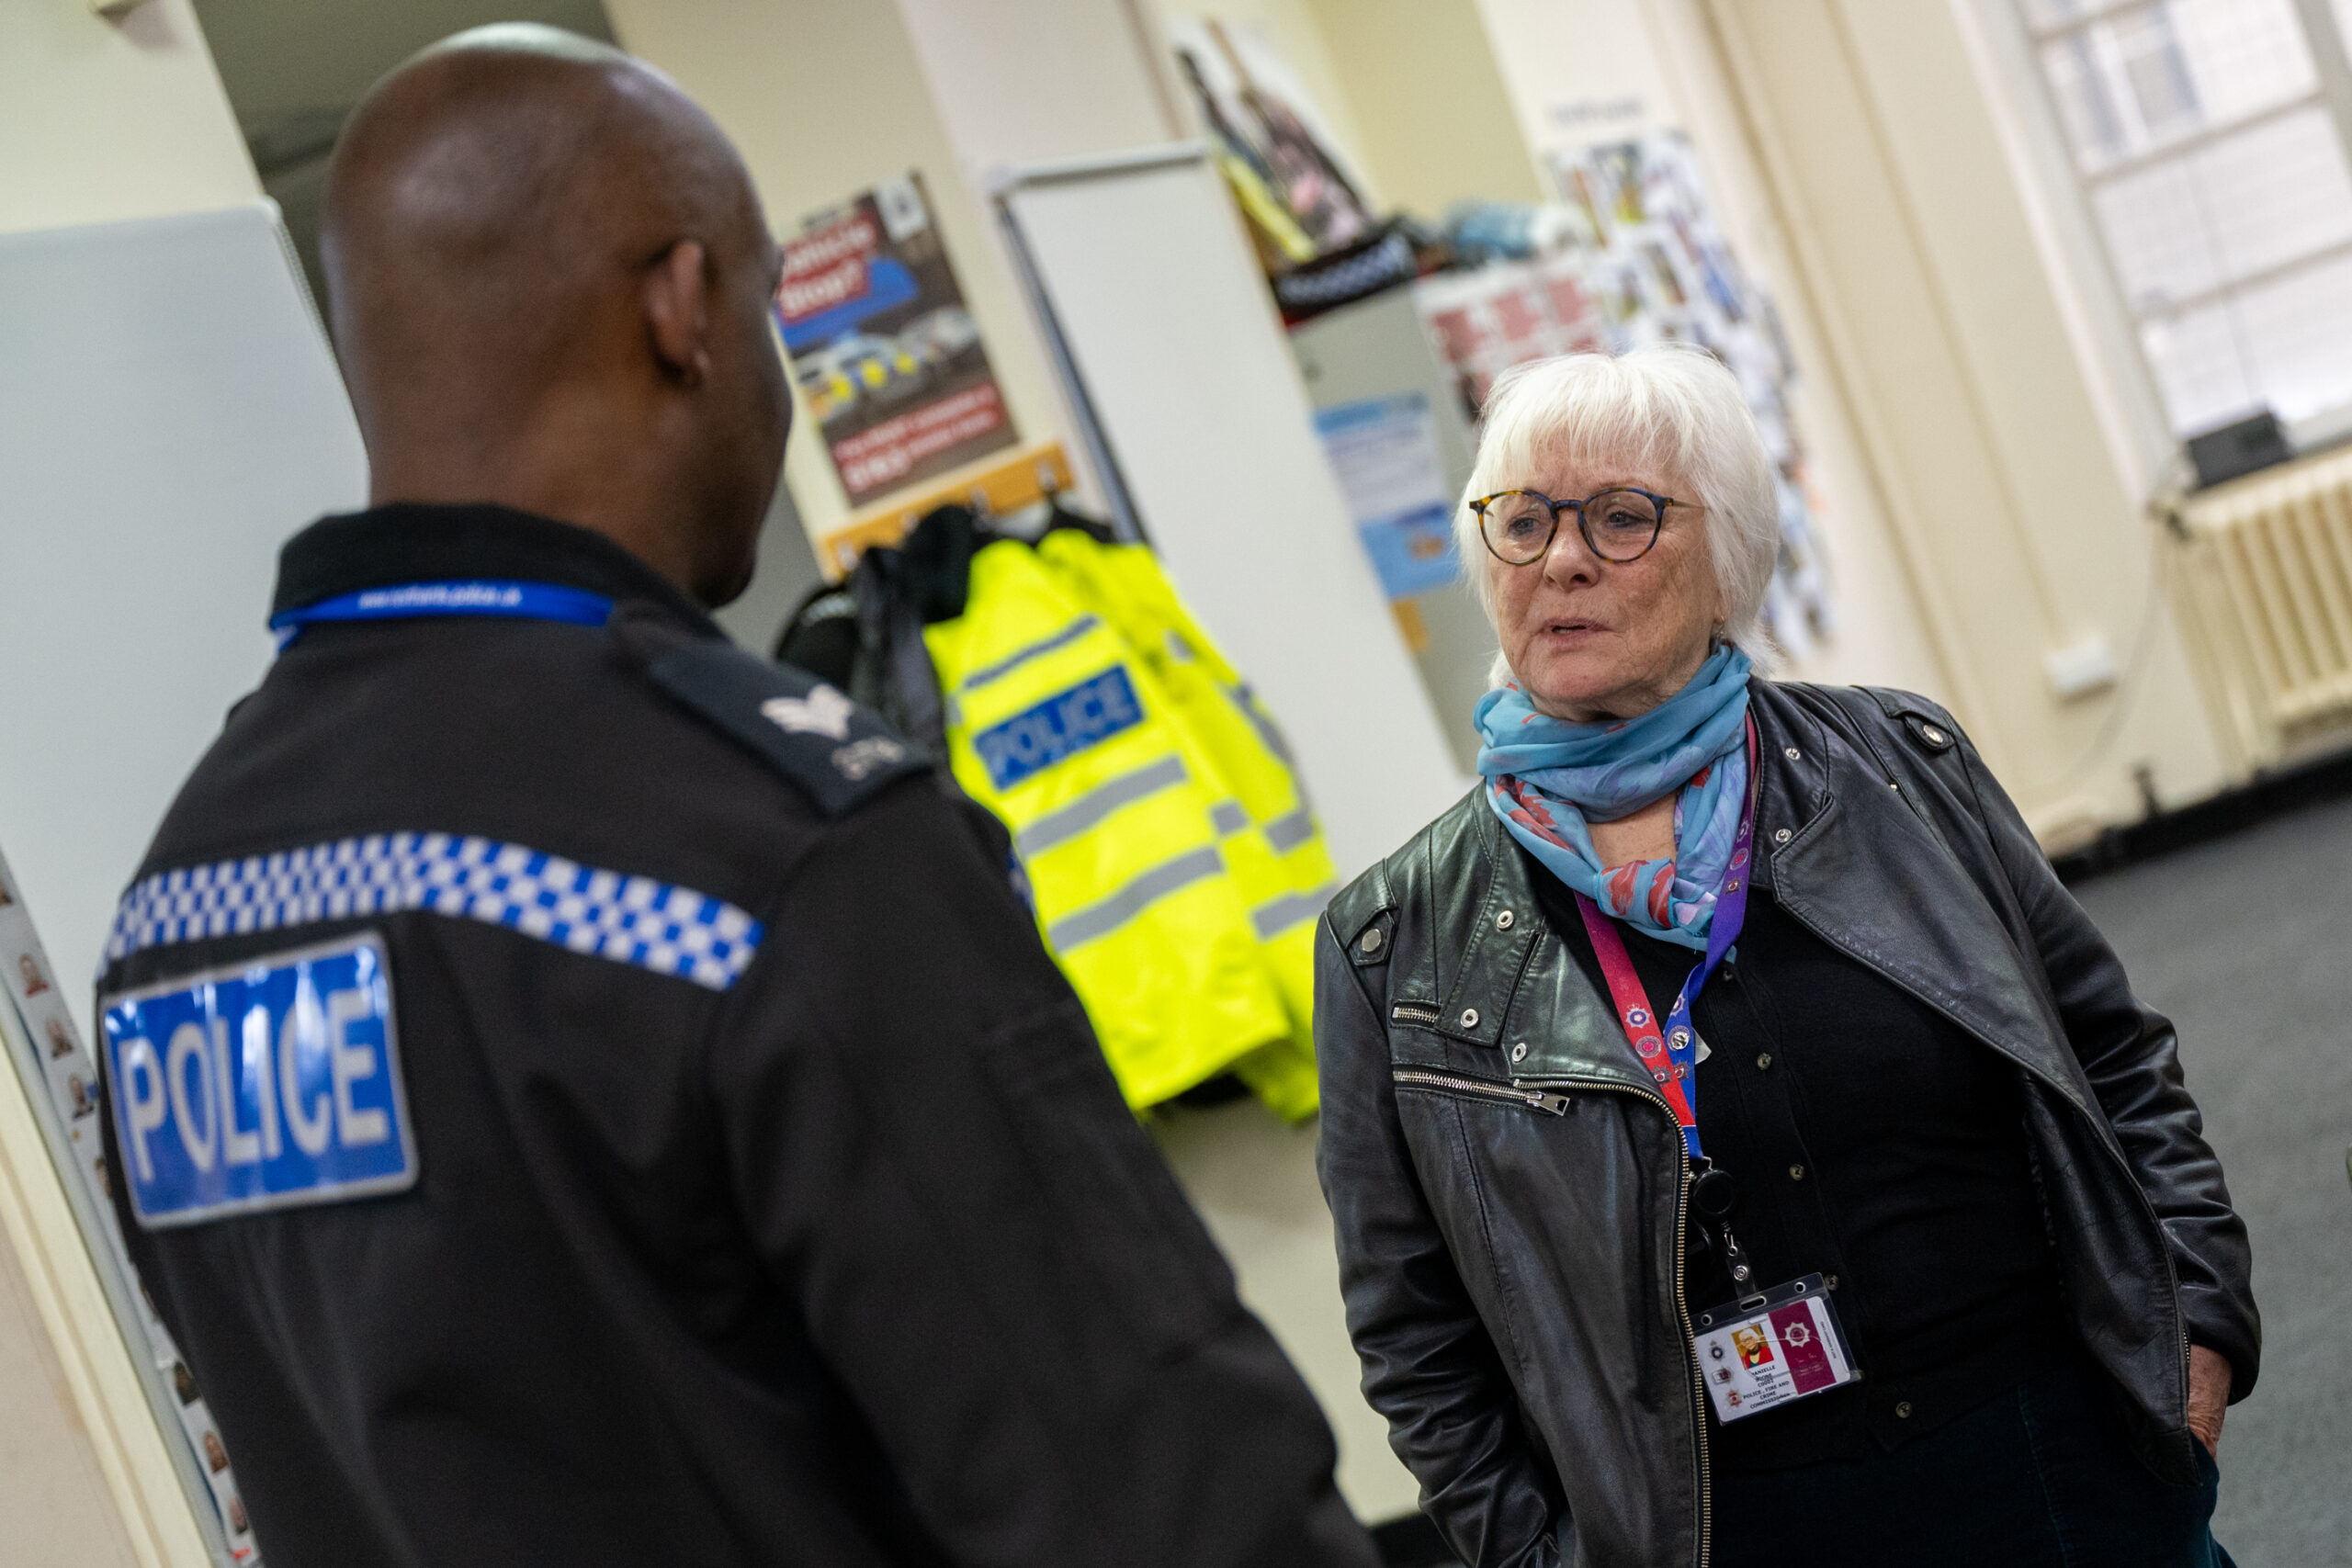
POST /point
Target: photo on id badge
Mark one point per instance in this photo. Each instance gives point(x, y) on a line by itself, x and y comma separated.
point(1770, 1349)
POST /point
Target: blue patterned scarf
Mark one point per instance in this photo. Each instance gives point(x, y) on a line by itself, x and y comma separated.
point(1545, 777)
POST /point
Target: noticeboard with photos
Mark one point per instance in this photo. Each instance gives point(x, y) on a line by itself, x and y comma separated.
point(1637, 257)
point(59, 1078)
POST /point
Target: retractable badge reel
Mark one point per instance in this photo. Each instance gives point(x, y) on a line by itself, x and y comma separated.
point(1768, 1347)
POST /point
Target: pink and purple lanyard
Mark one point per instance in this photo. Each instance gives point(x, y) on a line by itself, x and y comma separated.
point(1672, 1053)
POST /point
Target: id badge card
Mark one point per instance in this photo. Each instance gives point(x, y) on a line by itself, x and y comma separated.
point(1760, 1353)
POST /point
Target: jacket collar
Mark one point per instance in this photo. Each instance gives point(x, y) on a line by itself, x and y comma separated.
point(1567, 1024)
point(411, 542)
point(1842, 852)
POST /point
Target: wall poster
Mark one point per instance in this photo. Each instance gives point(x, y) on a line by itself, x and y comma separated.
point(888, 359)
point(1385, 453)
point(1301, 195)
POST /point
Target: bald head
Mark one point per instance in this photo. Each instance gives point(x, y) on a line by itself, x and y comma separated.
point(549, 280)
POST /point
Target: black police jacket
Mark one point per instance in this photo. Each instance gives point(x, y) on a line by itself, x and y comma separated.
point(1511, 1223)
point(767, 1201)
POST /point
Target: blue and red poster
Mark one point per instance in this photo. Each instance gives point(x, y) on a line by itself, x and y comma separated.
point(888, 359)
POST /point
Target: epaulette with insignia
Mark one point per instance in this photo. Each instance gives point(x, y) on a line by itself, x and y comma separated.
point(838, 753)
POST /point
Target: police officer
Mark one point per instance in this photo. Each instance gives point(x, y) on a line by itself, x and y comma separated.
point(584, 1095)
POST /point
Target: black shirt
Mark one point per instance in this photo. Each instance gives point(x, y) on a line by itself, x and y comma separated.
point(1872, 1142)
point(845, 1251)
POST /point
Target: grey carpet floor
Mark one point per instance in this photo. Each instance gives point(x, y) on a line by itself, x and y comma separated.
point(2247, 942)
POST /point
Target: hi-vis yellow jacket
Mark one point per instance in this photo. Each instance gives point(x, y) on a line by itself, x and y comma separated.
point(1057, 727)
point(1273, 848)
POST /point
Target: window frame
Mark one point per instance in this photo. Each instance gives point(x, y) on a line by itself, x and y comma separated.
point(2079, 243)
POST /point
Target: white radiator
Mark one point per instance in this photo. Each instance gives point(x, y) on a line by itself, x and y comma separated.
point(2265, 583)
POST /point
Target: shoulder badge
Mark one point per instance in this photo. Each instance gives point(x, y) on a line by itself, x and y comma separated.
point(836, 752)
point(304, 1038)
point(1927, 724)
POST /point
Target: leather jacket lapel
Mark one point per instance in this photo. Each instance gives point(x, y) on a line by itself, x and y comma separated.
point(1858, 868)
point(1866, 875)
point(1567, 1024)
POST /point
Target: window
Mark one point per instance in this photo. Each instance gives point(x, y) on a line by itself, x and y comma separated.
point(2210, 137)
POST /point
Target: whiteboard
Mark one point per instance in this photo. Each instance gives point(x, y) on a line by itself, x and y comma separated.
point(169, 414)
point(1178, 355)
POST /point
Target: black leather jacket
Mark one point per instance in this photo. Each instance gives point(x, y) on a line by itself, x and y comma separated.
point(1511, 1223)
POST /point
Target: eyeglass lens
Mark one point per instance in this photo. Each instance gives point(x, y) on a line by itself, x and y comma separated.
point(1618, 524)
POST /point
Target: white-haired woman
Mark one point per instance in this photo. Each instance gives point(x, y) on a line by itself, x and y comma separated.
point(1743, 1149)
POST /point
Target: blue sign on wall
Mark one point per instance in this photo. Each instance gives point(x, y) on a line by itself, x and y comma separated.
point(1385, 453)
point(1058, 729)
point(261, 1085)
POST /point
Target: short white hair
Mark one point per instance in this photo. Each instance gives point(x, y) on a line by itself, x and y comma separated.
point(1666, 407)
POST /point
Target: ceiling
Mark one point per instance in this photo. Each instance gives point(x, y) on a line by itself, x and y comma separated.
point(294, 68)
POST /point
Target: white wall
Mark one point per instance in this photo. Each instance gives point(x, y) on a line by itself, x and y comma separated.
point(2015, 513)
point(172, 416)
point(1030, 81)
point(2099, 325)
point(103, 121)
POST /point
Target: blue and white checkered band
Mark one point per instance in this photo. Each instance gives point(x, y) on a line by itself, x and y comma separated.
point(609, 914)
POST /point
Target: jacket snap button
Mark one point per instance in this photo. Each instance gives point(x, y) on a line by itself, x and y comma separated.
point(1370, 940)
point(1518, 1051)
point(1469, 1018)
point(1902, 1410)
point(1796, 1173)
point(1763, 1060)
point(1792, 754)
point(1780, 835)
point(1503, 920)
point(1935, 737)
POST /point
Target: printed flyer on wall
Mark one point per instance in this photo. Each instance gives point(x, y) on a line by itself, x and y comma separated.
point(1384, 452)
point(888, 359)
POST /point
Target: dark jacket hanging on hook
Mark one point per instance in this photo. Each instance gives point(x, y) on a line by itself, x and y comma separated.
point(865, 635)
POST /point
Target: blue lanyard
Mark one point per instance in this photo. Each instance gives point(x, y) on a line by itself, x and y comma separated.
point(478, 596)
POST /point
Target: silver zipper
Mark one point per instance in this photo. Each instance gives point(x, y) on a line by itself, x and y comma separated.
point(1550, 1101)
point(1413, 1012)
point(1697, 1380)
point(1697, 1369)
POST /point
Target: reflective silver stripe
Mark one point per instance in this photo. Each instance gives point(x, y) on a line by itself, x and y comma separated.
point(1105, 916)
point(1012, 661)
point(1286, 833)
point(1278, 915)
point(1227, 817)
point(1261, 720)
point(1067, 822)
